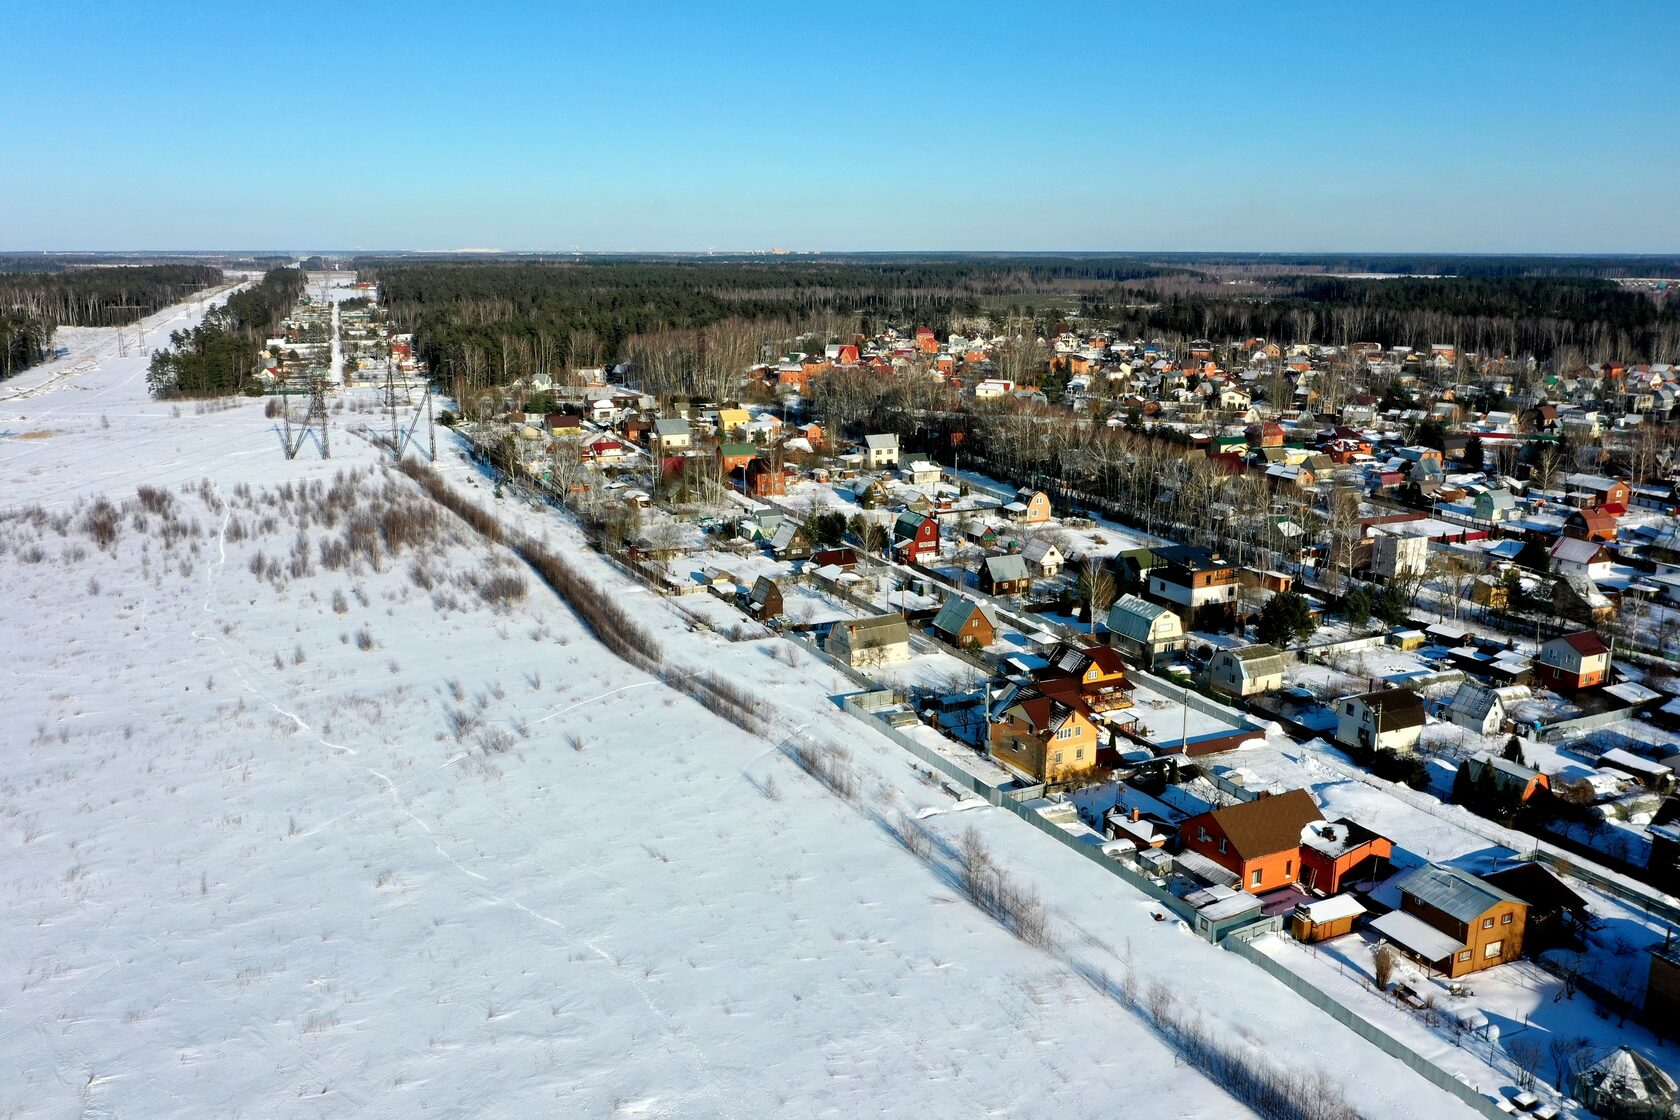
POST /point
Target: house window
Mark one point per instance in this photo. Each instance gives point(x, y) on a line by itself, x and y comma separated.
point(1254, 880)
point(1465, 955)
point(1487, 923)
point(1222, 845)
point(1505, 920)
point(1289, 867)
point(1058, 758)
point(1494, 948)
point(1080, 753)
point(1202, 834)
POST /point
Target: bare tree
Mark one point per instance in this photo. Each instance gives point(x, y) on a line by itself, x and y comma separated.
point(1096, 587)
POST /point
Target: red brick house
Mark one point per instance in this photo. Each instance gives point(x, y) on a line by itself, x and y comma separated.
point(1258, 841)
point(925, 341)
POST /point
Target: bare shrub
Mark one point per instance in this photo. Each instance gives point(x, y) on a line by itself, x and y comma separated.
point(101, 523)
point(501, 590)
point(156, 500)
point(495, 740)
point(1382, 965)
point(831, 765)
point(364, 639)
point(339, 603)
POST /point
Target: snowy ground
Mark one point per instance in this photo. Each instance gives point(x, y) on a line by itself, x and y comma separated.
point(374, 833)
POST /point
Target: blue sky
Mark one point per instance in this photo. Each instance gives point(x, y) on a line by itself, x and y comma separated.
point(1466, 126)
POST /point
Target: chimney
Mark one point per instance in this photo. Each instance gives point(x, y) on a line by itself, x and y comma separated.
point(1136, 812)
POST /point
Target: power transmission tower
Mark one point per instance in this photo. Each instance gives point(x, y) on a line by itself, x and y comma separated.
point(314, 420)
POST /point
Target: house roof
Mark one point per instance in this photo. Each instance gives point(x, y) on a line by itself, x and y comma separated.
point(1415, 934)
point(1474, 700)
point(1072, 661)
point(1572, 550)
point(1337, 837)
point(1267, 825)
point(1587, 643)
point(956, 611)
point(1330, 909)
point(1039, 548)
point(881, 443)
point(879, 630)
point(1396, 708)
point(671, 427)
point(1460, 894)
point(1010, 566)
point(1259, 658)
point(1537, 887)
point(1133, 617)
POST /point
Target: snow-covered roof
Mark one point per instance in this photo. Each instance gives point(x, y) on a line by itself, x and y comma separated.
point(1414, 934)
point(1330, 909)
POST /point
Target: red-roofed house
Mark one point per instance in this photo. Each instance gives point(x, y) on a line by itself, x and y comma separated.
point(1045, 731)
point(1573, 662)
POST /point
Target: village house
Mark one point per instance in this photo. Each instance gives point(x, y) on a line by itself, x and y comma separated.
point(1477, 708)
point(1098, 671)
point(1030, 507)
point(1573, 662)
point(1590, 525)
point(1248, 671)
point(1257, 841)
point(1587, 559)
point(765, 601)
point(1336, 854)
point(1495, 504)
point(880, 451)
point(920, 472)
point(1044, 731)
point(764, 479)
point(670, 437)
point(1146, 632)
point(1596, 490)
point(868, 642)
point(732, 459)
point(1200, 586)
point(1454, 922)
point(1510, 778)
point(1387, 720)
point(1042, 555)
point(1006, 574)
point(966, 624)
point(915, 537)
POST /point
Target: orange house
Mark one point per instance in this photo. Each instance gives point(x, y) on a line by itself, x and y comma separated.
point(1337, 853)
point(1258, 841)
point(925, 341)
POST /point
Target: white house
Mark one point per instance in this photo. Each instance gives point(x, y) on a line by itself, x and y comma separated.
point(1587, 559)
point(1042, 555)
point(1248, 671)
point(1389, 720)
point(1476, 708)
point(880, 451)
point(1144, 631)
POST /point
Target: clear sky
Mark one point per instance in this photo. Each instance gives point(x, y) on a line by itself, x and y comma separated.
point(1464, 126)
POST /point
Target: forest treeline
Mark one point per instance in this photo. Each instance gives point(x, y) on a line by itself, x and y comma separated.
point(1567, 319)
point(490, 321)
point(36, 302)
point(480, 318)
point(219, 356)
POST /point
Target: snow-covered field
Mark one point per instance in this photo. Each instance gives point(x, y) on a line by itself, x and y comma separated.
point(316, 806)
